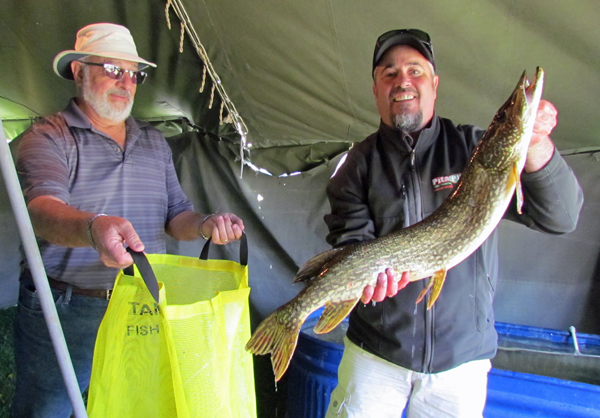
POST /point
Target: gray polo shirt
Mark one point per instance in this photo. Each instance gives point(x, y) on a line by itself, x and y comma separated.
point(65, 157)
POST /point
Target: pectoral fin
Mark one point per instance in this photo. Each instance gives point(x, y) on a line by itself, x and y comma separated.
point(333, 314)
point(515, 179)
point(436, 282)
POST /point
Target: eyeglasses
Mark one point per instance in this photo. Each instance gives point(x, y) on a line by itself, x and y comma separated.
point(421, 36)
point(117, 73)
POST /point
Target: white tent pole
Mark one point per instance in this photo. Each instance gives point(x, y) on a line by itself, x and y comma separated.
point(39, 275)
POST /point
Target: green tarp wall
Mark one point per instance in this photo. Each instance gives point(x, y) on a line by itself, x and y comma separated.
point(298, 73)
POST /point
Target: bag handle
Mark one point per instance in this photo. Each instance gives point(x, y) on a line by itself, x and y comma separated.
point(143, 265)
point(243, 250)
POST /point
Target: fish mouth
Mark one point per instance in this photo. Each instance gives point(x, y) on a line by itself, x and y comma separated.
point(530, 89)
point(525, 97)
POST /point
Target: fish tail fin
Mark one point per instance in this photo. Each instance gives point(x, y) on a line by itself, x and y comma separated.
point(277, 338)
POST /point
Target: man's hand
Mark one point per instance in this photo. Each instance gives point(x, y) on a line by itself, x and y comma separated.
point(223, 228)
point(387, 286)
point(63, 225)
point(110, 235)
point(541, 147)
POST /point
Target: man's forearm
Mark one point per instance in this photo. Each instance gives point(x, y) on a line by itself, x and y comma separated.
point(59, 223)
point(185, 226)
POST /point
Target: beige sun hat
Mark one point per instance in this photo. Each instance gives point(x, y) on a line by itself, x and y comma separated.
point(101, 40)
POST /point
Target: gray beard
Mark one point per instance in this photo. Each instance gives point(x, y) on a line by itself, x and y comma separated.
point(101, 104)
point(407, 122)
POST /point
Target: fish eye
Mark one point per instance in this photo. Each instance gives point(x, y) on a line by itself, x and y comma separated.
point(500, 116)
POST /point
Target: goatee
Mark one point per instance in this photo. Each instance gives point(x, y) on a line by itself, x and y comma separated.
point(407, 122)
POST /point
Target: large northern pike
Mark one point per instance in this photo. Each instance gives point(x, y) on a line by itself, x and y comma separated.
point(428, 248)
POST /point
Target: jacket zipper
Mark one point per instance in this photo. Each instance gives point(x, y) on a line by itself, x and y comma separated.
point(405, 207)
point(417, 214)
point(429, 317)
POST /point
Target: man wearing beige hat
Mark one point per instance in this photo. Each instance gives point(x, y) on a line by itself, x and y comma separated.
point(95, 180)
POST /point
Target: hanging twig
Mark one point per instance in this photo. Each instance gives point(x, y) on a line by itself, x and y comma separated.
point(203, 78)
point(212, 96)
point(181, 37)
point(233, 116)
point(167, 14)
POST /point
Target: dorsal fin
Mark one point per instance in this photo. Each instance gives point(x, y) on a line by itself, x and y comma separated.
point(315, 265)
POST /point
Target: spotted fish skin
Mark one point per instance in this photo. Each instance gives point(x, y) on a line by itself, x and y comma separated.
point(336, 278)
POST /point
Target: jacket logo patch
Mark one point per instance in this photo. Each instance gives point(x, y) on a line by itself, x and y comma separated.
point(445, 182)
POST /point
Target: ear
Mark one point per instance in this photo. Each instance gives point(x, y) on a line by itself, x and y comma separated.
point(76, 68)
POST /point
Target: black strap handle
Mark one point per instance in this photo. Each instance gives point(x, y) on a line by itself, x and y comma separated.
point(243, 250)
point(143, 265)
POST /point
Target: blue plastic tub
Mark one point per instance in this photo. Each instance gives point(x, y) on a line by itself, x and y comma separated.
point(312, 374)
point(513, 394)
point(566, 355)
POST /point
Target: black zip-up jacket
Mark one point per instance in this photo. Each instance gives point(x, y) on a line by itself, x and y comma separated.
point(384, 185)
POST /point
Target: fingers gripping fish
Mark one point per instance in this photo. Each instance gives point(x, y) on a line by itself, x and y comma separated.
point(336, 278)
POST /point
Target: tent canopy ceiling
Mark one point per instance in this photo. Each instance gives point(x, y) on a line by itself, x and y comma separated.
point(298, 73)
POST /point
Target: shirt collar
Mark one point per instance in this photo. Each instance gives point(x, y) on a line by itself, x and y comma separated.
point(74, 117)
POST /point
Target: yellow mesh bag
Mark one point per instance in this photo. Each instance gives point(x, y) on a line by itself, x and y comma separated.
point(183, 357)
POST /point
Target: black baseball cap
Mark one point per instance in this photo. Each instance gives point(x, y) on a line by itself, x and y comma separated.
point(414, 38)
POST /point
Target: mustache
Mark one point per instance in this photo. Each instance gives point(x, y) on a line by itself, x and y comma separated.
point(119, 92)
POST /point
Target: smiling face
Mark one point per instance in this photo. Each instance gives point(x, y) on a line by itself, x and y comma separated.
point(109, 99)
point(405, 89)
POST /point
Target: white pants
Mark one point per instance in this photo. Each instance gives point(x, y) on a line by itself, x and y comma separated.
point(369, 386)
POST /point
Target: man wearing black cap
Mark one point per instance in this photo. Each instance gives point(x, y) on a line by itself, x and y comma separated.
point(397, 354)
point(95, 180)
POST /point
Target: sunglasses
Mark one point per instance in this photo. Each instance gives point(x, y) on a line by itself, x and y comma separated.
point(117, 73)
point(421, 36)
